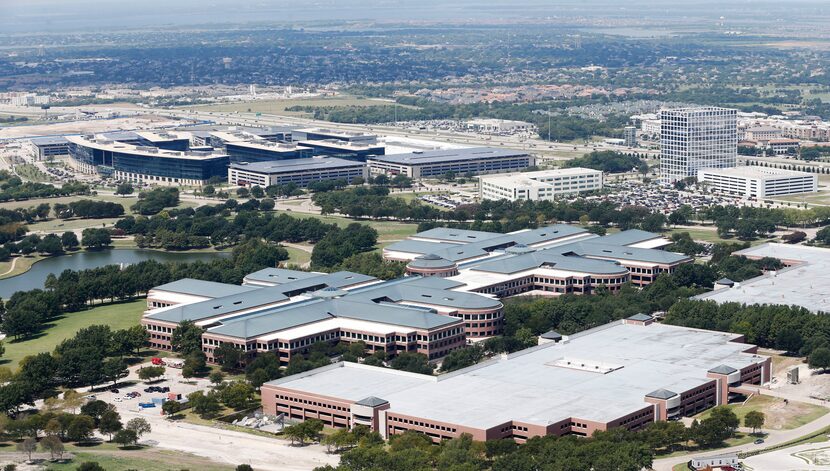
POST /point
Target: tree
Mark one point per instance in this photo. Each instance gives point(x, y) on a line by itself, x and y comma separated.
point(267, 204)
point(216, 378)
point(81, 428)
point(139, 425)
point(125, 437)
point(462, 358)
point(69, 240)
point(110, 423)
point(187, 338)
point(307, 430)
point(204, 404)
point(237, 394)
point(96, 410)
point(228, 356)
point(209, 190)
point(28, 446)
point(93, 238)
point(819, 359)
point(149, 373)
point(171, 407)
point(50, 244)
point(413, 362)
point(755, 420)
point(244, 467)
point(124, 189)
point(195, 364)
point(53, 445)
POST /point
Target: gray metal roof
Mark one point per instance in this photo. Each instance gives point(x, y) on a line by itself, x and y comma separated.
point(208, 289)
point(372, 401)
point(48, 140)
point(405, 292)
point(433, 282)
point(662, 394)
point(296, 165)
point(725, 281)
point(450, 155)
point(552, 259)
point(279, 276)
point(629, 237)
point(430, 261)
point(723, 370)
point(457, 235)
point(551, 335)
point(597, 248)
point(640, 317)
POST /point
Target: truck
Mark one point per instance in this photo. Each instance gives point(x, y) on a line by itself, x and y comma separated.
point(175, 363)
point(157, 361)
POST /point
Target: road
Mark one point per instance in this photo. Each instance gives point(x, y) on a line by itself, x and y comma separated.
point(774, 438)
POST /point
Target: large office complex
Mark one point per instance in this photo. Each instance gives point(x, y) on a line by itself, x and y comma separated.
point(298, 171)
point(696, 138)
point(144, 164)
point(286, 311)
point(542, 185)
point(435, 163)
point(757, 182)
point(265, 151)
point(624, 374)
point(805, 280)
point(548, 261)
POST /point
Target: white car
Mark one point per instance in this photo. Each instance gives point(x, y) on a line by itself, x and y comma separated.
point(117, 399)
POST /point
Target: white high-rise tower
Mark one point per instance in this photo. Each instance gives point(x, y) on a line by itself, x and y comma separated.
point(695, 138)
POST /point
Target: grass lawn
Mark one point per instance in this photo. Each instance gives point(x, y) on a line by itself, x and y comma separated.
point(280, 106)
point(297, 256)
point(148, 459)
point(779, 416)
point(387, 230)
point(710, 234)
point(117, 316)
point(31, 173)
point(22, 265)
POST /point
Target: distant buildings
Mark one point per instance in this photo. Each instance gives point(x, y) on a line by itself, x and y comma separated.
point(541, 185)
point(45, 148)
point(805, 280)
point(27, 99)
point(762, 133)
point(696, 138)
point(144, 164)
point(298, 171)
point(630, 136)
point(435, 163)
point(757, 182)
point(499, 126)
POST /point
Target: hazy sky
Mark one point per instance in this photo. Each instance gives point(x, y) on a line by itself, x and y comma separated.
point(28, 16)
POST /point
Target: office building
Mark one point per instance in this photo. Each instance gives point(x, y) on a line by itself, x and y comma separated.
point(548, 261)
point(538, 186)
point(164, 140)
point(298, 171)
point(287, 311)
point(265, 151)
point(762, 133)
point(47, 148)
point(322, 134)
point(630, 136)
point(144, 164)
point(696, 138)
point(627, 373)
point(804, 281)
point(352, 150)
point(436, 163)
point(757, 182)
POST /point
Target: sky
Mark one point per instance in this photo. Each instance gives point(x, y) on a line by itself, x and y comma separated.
point(45, 16)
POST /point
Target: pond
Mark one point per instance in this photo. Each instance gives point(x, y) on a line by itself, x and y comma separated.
point(36, 276)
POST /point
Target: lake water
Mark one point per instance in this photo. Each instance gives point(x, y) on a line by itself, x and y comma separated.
point(36, 276)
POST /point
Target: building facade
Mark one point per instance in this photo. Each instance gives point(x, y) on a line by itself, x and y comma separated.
point(542, 185)
point(432, 164)
point(758, 182)
point(696, 138)
point(616, 375)
point(298, 171)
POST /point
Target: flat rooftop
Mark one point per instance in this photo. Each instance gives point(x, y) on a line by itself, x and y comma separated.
point(296, 165)
point(123, 148)
point(49, 141)
point(541, 390)
point(806, 284)
point(532, 178)
point(753, 171)
point(449, 155)
point(342, 145)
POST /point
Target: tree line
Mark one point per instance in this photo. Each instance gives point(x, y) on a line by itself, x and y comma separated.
point(12, 188)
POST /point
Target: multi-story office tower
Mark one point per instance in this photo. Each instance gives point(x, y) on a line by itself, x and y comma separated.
point(695, 138)
point(630, 136)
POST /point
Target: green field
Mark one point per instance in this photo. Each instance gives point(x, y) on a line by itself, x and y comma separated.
point(297, 256)
point(387, 230)
point(31, 173)
point(117, 316)
point(113, 459)
point(280, 106)
point(779, 415)
point(711, 235)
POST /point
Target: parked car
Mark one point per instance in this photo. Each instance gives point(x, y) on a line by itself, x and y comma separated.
point(759, 441)
point(114, 391)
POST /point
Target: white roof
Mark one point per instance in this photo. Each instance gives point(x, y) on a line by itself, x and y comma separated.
point(761, 173)
point(529, 387)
